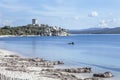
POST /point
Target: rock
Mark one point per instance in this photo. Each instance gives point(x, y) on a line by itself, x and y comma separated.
point(38, 60)
point(79, 70)
point(98, 75)
point(22, 69)
point(85, 70)
point(72, 70)
point(108, 74)
point(61, 75)
point(104, 75)
point(57, 62)
point(94, 78)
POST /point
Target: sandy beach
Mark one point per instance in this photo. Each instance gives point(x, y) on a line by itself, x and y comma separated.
point(17, 67)
point(20, 74)
point(3, 36)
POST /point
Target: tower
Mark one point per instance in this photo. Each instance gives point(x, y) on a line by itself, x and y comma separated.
point(34, 21)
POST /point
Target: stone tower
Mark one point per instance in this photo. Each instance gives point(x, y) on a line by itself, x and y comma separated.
point(34, 21)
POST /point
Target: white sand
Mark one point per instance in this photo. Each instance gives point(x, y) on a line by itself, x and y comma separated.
point(17, 74)
point(33, 76)
point(2, 36)
point(7, 36)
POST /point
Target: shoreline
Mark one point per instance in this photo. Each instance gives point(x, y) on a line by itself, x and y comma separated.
point(33, 71)
point(3, 36)
point(18, 74)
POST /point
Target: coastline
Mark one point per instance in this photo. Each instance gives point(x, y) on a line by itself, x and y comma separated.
point(34, 72)
point(3, 36)
point(18, 74)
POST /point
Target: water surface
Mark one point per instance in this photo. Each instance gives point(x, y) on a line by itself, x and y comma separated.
point(98, 51)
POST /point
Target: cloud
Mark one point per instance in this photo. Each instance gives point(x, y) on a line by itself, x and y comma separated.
point(21, 11)
point(76, 17)
point(1, 15)
point(103, 23)
point(13, 5)
point(1, 19)
point(109, 22)
point(110, 14)
point(58, 11)
point(41, 9)
point(63, 18)
point(113, 20)
point(7, 22)
point(93, 14)
point(59, 1)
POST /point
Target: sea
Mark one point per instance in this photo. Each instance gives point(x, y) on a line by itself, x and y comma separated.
point(99, 51)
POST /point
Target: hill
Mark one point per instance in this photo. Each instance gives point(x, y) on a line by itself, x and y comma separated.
point(41, 30)
point(97, 31)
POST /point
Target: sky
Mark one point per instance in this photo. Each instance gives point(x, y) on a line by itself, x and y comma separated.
point(68, 14)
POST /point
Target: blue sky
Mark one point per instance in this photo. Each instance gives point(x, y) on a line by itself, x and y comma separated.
point(69, 14)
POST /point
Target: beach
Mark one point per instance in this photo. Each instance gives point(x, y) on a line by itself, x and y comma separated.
point(59, 40)
point(11, 69)
point(19, 74)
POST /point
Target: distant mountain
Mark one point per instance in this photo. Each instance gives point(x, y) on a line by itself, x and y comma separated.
point(97, 31)
point(94, 29)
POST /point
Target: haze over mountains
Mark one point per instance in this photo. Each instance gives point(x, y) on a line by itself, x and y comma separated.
point(115, 30)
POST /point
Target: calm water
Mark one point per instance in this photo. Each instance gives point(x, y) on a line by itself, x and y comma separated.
point(98, 51)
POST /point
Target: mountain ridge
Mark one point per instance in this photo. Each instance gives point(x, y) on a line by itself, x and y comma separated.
point(115, 30)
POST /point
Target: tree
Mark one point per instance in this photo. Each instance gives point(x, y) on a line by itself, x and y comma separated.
point(6, 27)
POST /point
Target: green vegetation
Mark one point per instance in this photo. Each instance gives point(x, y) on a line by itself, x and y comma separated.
point(42, 30)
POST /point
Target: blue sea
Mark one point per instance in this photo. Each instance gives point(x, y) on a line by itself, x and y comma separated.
point(102, 52)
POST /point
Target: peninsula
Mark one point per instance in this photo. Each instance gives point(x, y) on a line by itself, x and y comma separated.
point(33, 29)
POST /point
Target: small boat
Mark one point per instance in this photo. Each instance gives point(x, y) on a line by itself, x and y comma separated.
point(71, 43)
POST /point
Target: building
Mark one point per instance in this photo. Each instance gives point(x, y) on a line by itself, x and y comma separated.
point(34, 21)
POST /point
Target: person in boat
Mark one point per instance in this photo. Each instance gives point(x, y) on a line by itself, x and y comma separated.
point(71, 43)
